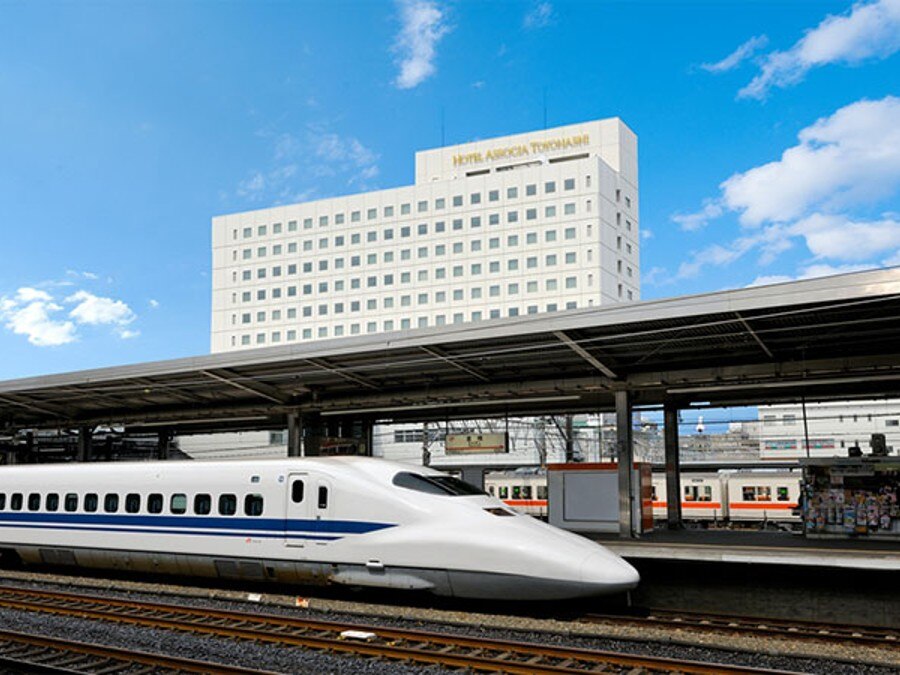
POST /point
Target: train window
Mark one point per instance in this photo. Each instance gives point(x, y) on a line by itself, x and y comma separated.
point(34, 502)
point(91, 501)
point(764, 493)
point(202, 504)
point(2, 501)
point(707, 493)
point(491, 490)
point(504, 492)
point(542, 492)
point(652, 493)
point(178, 503)
point(111, 502)
point(297, 491)
point(323, 497)
point(782, 494)
point(155, 503)
point(688, 494)
point(71, 503)
point(132, 503)
point(435, 485)
point(749, 493)
point(16, 502)
point(517, 492)
point(227, 505)
point(253, 505)
point(526, 492)
point(52, 502)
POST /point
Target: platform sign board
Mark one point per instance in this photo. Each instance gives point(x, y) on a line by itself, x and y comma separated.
point(470, 444)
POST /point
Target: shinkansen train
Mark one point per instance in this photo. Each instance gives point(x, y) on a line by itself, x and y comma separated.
point(342, 520)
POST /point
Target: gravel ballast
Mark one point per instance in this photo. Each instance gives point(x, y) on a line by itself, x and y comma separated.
point(756, 651)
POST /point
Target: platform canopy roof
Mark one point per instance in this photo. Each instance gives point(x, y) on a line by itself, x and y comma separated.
point(836, 337)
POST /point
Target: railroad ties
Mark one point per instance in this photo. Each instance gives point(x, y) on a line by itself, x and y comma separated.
point(779, 628)
point(24, 653)
point(414, 646)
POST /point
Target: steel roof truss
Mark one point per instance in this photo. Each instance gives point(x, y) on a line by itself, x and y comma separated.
point(583, 353)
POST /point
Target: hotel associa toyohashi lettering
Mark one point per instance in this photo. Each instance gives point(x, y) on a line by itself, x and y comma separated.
point(522, 150)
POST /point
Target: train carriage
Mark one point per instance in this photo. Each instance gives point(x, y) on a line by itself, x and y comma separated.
point(524, 492)
point(703, 497)
point(763, 496)
point(342, 520)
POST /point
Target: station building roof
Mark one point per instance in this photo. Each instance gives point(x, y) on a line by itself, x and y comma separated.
point(836, 337)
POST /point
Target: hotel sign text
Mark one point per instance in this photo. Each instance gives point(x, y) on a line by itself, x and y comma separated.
point(522, 150)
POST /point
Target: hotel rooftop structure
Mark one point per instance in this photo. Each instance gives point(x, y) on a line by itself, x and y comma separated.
point(525, 224)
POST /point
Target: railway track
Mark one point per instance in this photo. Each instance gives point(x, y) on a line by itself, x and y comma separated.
point(794, 630)
point(476, 654)
point(23, 653)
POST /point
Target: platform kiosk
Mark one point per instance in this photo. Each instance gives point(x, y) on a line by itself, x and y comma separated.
point(851, 497)
point(585, 497)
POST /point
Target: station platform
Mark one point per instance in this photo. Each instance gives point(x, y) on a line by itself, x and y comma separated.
point(766, 548)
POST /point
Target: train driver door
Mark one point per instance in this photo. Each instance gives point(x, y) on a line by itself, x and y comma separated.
point(299, 523)
point(323, 499)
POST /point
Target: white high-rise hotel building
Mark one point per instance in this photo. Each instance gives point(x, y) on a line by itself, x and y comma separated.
point(523, 224)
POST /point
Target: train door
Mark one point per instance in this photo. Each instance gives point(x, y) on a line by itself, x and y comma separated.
point(299, 519)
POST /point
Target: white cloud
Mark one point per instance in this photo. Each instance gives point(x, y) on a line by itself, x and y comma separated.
point(738, 56)
point(539, 16)
point(153, 303)
point(252, 186)
point(770, 242)
point(30, 313)
point(870, 31)
point(422, 27)
point(712, 208)
point(646, 234)
point(127, 334)
point(304, 159)
point(83, 275)
point(839, 238)
point(94, 310)
point(809, 272)
point(849, 158)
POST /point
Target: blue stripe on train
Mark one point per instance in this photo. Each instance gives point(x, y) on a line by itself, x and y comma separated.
point(182, 524)
point(179, 531)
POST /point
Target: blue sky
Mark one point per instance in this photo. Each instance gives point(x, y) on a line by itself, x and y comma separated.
point(769, 138)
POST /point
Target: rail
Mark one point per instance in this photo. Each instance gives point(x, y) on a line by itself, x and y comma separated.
point(476, 654)
point(25, 653)
point(795, 630)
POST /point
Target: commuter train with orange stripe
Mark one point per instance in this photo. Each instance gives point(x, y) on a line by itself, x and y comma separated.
point(740, 498)
point(746, 497)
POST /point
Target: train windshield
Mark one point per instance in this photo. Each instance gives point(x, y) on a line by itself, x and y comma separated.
point(435, 485)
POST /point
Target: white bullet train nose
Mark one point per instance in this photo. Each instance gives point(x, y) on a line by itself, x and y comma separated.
point(607, 573)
